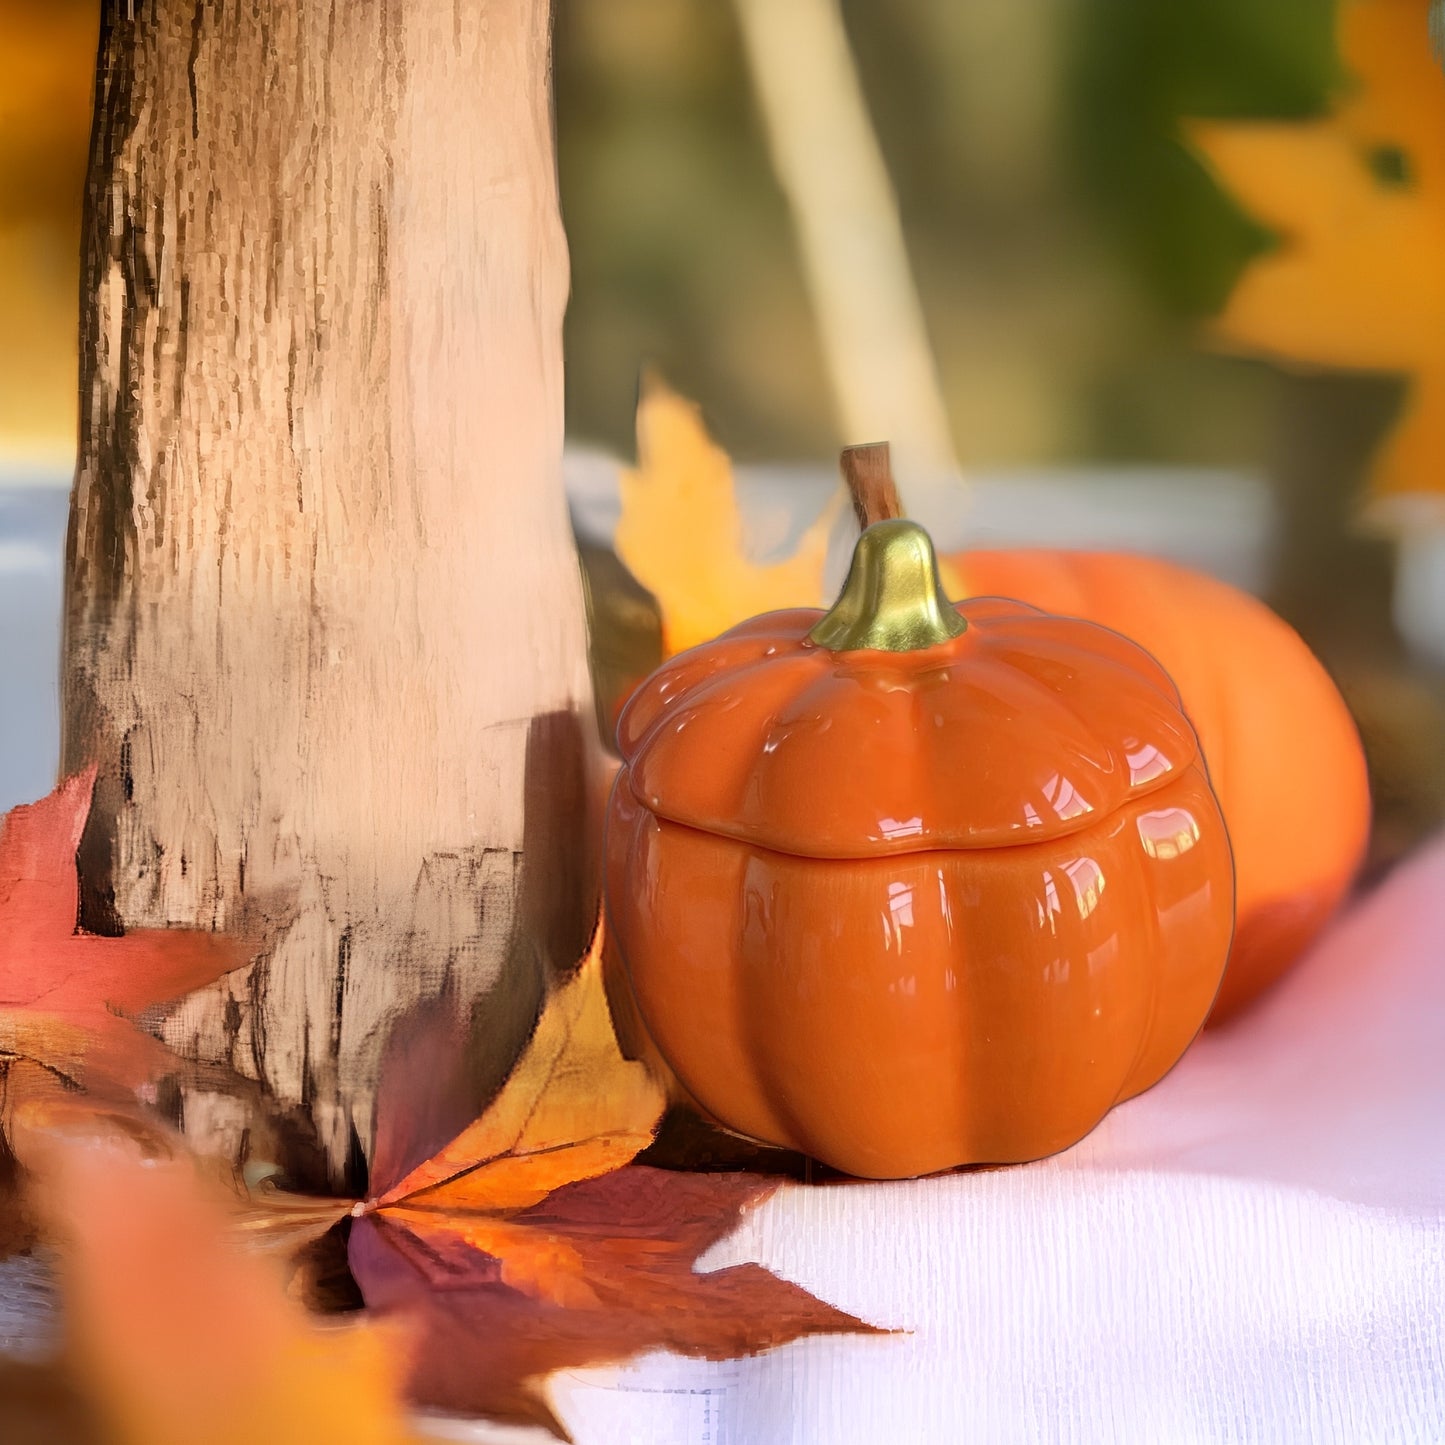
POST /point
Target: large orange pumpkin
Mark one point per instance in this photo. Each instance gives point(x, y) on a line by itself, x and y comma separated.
point(1283, 753)
point(905, 886)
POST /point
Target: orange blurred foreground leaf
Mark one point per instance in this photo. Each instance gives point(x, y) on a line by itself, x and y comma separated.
point(1358, 201)
point(176, 1333)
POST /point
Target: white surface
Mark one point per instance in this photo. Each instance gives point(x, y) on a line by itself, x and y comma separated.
point(1253, 1251)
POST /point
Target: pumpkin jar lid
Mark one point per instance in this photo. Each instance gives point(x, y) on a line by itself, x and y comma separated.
point(898, 721)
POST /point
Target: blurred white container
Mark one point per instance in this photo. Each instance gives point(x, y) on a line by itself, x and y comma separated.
point(32, 550)
point(1419, 605)
point(1222, 522)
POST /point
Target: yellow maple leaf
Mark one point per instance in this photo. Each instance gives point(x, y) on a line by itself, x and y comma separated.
point(681, 531)
point(1357, 200)
point(573, 1108)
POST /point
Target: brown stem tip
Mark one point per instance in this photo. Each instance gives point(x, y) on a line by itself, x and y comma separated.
point(869, 475)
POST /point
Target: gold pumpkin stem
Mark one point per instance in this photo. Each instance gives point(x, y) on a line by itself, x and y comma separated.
point(892, 600)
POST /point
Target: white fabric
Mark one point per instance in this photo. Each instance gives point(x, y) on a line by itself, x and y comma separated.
point(1254, 1251)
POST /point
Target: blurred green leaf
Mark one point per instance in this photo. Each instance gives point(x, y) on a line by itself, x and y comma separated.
point(1139, 67)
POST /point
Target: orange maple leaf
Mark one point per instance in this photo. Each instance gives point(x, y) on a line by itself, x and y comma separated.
point(631, 1239)
point(65, 993)
point(525, 1246)
point(1357, 199)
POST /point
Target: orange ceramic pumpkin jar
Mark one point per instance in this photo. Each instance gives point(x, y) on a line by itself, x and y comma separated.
point(906, 885)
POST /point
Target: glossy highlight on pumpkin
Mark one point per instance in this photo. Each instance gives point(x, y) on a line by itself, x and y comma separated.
point(910, 910)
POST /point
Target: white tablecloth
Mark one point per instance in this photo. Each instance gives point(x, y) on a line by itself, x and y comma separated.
point(1254, 1251)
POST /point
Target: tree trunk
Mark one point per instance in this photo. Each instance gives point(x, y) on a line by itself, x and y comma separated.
point(325, 633)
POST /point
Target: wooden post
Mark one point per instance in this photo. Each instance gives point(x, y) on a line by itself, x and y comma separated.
point(325, 633)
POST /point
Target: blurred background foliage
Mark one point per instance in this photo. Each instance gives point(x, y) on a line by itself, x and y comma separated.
point(1065, 243)
point(47, 63)
point(1067, 247)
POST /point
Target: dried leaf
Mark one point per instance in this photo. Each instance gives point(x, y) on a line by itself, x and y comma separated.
point(62, 990)
point(526, 1247)
point(681, 533)
point(1358, 201)
point(572, 1108)
point(611, 1262)
point(175, 1333)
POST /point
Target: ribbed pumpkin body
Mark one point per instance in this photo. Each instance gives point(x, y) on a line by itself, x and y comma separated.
point(905, 911)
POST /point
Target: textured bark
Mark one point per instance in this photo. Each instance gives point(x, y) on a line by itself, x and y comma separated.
point(325, 632)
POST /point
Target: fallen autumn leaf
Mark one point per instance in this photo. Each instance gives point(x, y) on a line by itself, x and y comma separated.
point(65, 993)
point(627, 1242)
point(524, 1246)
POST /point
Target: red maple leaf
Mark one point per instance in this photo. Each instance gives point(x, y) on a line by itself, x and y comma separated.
point(530, 1243)
point(64, 993)
point(626, 1243)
